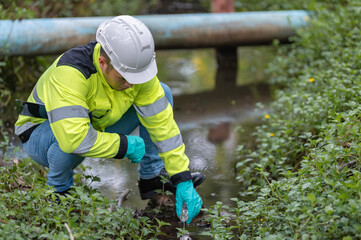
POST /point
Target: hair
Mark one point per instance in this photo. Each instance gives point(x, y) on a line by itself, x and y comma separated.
point(107, 59)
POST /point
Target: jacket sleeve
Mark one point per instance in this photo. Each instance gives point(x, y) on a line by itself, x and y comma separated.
point(156, 115)
point(65, 92)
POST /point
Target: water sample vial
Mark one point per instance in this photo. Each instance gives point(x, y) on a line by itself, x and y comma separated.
point(185, 237)
point(184, 214)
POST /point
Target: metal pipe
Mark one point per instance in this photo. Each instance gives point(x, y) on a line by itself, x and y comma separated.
point(170, 31)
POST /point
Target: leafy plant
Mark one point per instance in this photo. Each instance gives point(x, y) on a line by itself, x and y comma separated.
point(31, 211)
point(303, 176)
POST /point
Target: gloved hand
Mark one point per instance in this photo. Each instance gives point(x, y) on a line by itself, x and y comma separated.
point(136, 149)
point(187, 194)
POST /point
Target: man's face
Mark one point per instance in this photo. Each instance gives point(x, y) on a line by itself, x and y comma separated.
point(115, 80)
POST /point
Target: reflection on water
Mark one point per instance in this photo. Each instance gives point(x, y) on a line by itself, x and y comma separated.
point(252, 62)
point(187, 71)
point(192, 71)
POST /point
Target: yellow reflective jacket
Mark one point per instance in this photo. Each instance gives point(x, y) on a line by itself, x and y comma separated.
point(80, 104)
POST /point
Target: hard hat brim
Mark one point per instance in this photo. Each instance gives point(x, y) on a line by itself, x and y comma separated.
point(142, 76)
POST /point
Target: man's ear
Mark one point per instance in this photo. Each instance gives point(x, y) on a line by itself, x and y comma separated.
point(102, 63)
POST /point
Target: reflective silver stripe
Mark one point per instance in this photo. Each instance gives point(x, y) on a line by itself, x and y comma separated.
point(87, 143)
point(152, 109)
point(68, 112)
point(169, 144)
point(20, 129)
point(36, 97)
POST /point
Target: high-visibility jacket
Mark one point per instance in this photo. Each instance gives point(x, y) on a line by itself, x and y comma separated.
point(80, 104)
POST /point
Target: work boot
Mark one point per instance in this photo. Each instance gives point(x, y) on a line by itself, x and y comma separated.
point(64, 193)
point(147, 187)
point(56, 195)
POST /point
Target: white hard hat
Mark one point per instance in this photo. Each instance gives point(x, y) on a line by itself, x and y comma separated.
point(130, 47)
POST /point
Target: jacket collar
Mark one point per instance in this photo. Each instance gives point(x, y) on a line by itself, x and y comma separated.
point(96, 55)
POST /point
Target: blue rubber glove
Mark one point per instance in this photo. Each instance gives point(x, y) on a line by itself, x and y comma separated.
point(136, 149)
point(187, 194)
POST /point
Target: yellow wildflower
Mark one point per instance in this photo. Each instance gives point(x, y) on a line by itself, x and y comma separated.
point(311, 80)
point(272, 134)
point(261, 219)
point(267, 116)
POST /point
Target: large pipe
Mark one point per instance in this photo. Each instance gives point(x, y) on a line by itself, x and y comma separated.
point(171, 31)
